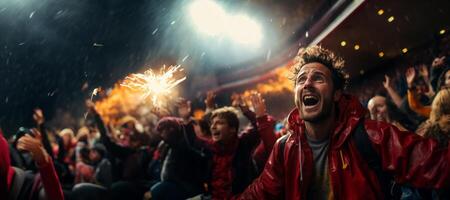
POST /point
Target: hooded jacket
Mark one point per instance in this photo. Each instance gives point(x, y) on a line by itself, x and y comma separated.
point(407, 156)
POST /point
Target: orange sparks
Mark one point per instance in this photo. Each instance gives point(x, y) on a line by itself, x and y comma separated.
point(279, 83)
point(131, 94)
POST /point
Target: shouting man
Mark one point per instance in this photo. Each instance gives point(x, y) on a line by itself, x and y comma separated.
point(333, 152)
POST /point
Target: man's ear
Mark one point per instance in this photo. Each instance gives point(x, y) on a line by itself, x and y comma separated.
point(337, 95)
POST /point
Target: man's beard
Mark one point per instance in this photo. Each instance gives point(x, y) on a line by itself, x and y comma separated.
point(327, 106)
point(324, 114)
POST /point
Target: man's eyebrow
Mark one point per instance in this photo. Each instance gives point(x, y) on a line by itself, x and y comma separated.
point(318, 72)
point(313, 72)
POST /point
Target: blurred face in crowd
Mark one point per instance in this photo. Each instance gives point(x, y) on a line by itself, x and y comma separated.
point(221, 131)
point(169, 135)
point(184, 112)
point(67, 139)
point(421, 87)
point(130, 125)
point(378, 109)
point(94, 155)
point(314, 92)
point(135, 143)
point(447, 78)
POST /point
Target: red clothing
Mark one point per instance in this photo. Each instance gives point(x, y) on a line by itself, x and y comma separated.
point(48, 177)
point(409, 157)
point(5, 166)
point(232, 166)
point(50, 182)
point(222, 172)
point(84, 173)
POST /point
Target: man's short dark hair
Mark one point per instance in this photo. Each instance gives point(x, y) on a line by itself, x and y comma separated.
point(323, 56)
point(230, 114)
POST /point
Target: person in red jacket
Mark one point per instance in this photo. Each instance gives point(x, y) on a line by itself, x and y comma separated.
point(6, 171)
point(319, 158)
point(234, 152)
point(32, 143)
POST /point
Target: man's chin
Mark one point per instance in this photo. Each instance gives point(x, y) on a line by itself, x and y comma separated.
point(310, 118)
point(215, 138)
point(309, 115)
point(313, 117)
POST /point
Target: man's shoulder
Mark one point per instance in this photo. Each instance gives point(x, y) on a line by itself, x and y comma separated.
point(372, 125)
point(377, 130)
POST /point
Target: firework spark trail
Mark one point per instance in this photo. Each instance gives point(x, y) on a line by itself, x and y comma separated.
point(156, 85)
point(94, 92)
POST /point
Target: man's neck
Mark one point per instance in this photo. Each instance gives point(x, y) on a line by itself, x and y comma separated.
point(227, 147)
point(321, 129)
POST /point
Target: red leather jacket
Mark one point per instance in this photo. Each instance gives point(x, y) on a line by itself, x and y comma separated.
point(409, 157)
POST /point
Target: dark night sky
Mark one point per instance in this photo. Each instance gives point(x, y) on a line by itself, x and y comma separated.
point(49, 49)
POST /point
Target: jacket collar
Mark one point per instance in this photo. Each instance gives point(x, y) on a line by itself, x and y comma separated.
point(349, 112)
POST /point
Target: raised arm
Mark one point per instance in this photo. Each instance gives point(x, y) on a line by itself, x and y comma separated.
point(264, 122)
point(113, 148)
point(39, 119)
point(412, 101)
point(437, 67)
point(423, 72)
point(391, 91)
point(33, 144)
point(416, 106)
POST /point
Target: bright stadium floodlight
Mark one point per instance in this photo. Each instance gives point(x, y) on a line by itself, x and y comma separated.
point(208, 16)
point(211, 19)
point(244, 30)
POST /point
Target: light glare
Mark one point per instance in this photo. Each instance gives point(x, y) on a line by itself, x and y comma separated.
point(208, 17)
point(244, 30)
point(211, 19)
point(391, 18)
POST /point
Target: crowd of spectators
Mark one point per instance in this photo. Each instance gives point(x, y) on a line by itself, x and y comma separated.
point(180, 157)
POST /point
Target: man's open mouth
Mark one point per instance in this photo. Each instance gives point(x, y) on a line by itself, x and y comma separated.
point(215, 133)
point(310, 100)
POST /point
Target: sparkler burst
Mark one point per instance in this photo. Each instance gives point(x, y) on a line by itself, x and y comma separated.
point(154, 85)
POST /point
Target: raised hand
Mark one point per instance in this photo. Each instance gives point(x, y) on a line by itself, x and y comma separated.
point(258, 104)
point(410, 75)
point(159, 112)
point(438, 62)
point(209, 101)
point(184, 108)
point(33, 144)
point(38, 116)
point(235, 100)
point(423, 72)
point(241, 102)
point(387, 82)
